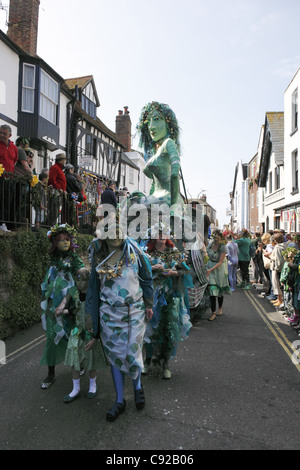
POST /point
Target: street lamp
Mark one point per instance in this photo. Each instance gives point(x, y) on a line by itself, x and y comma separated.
point(203, 190)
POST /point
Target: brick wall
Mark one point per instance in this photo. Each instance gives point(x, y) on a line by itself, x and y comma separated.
point(23, 24)
point(123, 128)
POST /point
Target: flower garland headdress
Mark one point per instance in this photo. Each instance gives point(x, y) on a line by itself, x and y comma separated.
point(63, 228)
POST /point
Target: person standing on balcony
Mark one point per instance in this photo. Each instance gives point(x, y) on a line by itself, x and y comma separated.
point(8, 159)
point(8, 150)
point(57, 180)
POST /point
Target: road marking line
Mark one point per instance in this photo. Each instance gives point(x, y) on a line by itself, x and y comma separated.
point(25, 348)
point(283, 341)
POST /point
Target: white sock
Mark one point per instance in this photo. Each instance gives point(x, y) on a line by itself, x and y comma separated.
point(93, 387)
point(76, 387)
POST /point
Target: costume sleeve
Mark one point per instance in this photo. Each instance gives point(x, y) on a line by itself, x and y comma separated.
point(146, 282)
point(224, 249)
point(92, 300)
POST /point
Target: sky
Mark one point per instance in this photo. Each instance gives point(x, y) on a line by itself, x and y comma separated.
point(219, 64)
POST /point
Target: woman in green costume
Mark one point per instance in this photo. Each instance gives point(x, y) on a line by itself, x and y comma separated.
point(58, 291)
point(170, 323)
point(120, 298)
point(217, 273)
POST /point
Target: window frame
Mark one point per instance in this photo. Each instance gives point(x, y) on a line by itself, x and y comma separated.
point(46, 98)
point(26, 87)
point(277, 177)
point(295, 171)
point(295, 111)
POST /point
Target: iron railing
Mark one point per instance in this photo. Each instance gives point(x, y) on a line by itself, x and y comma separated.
point(28, 206)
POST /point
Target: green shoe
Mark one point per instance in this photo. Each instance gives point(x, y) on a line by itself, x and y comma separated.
point(91, 394)
point(68, 399)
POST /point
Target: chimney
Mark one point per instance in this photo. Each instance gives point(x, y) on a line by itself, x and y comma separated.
point(23, 24)
point(123, 128)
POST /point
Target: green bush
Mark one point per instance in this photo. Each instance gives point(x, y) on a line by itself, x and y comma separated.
point(23, 262)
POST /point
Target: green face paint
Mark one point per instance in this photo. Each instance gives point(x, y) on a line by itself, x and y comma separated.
point(157, 126)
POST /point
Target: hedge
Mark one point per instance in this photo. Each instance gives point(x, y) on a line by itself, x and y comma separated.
point(23, 261)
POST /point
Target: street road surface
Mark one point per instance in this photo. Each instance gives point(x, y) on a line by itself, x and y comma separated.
point(234, 386)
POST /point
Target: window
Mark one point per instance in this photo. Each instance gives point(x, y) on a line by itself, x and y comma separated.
point(270, 182)
point(123, 174)
point(131, 176)
point(48, 98)
point(28, 88)
point(89, 145)
point(277, 178)
point(295, 110)
point(88, 106)
point(295, 175)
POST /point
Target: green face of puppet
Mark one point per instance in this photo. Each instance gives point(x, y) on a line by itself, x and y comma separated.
point(157, 126)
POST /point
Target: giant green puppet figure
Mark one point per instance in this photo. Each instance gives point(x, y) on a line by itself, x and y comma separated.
point(159, 136)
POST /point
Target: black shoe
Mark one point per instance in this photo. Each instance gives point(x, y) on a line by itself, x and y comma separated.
point(115, 411)
point(139, 397)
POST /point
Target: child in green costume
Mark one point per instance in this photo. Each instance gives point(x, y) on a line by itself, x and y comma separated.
point(58, 289)
point(83, 350)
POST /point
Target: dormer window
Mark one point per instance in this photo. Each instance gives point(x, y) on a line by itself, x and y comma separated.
point(48, 98)
point(88, 106)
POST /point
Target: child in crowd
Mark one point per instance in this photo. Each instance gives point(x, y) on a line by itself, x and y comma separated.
point(40, 203)
point(83, 350)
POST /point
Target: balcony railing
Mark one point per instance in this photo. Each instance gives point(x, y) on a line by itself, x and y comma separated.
point(25, 204)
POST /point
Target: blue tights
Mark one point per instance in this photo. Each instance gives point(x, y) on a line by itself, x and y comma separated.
point(119, 379)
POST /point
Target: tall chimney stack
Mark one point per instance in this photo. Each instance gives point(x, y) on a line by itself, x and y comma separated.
point(123, 128)
point(23, 24)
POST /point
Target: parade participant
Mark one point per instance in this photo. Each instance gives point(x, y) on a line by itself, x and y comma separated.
point(197, 295)
point(58, 291)
point(244, 243)
point(83, 351)
point(171, 320)
point(120, 298)
point(217, 273)
point(233, 260)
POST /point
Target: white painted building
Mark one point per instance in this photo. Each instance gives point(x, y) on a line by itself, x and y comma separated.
point(271, 171)
point(240, 202)
point(135, 179)
point(290, 210)
point(9, 85)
